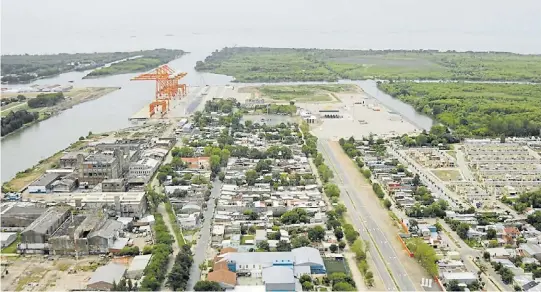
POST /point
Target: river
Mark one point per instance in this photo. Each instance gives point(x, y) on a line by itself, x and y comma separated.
point(202, 26)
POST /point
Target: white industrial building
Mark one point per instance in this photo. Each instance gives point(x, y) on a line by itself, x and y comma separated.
point(137, 266)
point(43, 184)
point(144, 167)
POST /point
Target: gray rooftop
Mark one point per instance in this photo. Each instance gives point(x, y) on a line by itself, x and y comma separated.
point(108, 230)
point(45, 179)
point(297, 256)
point(307, 255)
point(108, 274)
point(278, 275)
point(47, 219)
point(139, 262)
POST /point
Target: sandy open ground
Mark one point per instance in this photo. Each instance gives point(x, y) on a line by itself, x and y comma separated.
point(38, 273)
point(362, 115)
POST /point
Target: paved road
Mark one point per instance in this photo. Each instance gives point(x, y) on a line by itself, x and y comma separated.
point(200, 252)
point(387, 264)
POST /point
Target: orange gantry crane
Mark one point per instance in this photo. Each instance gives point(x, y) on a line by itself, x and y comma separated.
point(167, 87)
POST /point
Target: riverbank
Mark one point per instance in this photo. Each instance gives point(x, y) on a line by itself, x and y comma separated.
point(23, 178)
point(26, 177)
point(72, 98)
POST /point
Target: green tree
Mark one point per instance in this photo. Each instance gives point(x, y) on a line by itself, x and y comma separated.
point(300, 241)
point(251, 177)
point(453, 286)
point(338, 233)
point(263, 245)
point(307, 286)
point(491, 233)
point(387, 203)
point(316, 234)
point(331, 190)
point(333, 247)
point(343, 286)
point(283, 246)
point(207, 286)
point(342, 245)
point(215, 163)
point(462, 230)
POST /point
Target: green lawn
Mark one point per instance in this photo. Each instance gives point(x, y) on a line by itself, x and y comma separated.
point(448, 174)
point(246, 237)
point(334, 266)
point(303, 93)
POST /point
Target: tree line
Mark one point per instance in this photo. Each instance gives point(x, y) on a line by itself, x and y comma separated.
point(15, 120)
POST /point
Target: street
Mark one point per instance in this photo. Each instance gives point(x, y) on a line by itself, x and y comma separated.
point(200, 251)
point(387, 263)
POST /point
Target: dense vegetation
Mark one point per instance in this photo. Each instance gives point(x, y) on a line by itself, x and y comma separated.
point(180, 274)
point(274, 65)
point(425, 254)
point(156, 269)
point(45, 100)
point(148, 60)
point(475, 109)
point(526, 200)
point(266, 65)
point(25, 68)
point(15, 120)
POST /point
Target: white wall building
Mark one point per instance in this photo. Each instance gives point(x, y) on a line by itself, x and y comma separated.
point(144, 167)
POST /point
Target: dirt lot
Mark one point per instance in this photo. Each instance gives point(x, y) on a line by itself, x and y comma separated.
point(37, 273)
point(448, 174)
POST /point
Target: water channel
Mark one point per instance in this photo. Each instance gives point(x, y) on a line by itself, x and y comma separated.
point(24, 149)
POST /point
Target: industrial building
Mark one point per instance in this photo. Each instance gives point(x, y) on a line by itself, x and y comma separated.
point(123, 204)
point(45, 225)
point(65, 184)
point(97, 167)
point(137, 266)
point(113, 185)
point(144, 168)
point(69, 160)
point(104, 277)
point(87, 234)
point(304, 260)
point(18, 215)
point(43, 184)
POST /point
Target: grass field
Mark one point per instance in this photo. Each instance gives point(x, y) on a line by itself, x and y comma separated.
point(274, 64)
point(334, 266)
point(448, 175)
point(300, 93)
point(246, 237)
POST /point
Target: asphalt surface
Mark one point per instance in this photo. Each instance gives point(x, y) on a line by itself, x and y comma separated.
point(200, 251)
point(387, 265)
